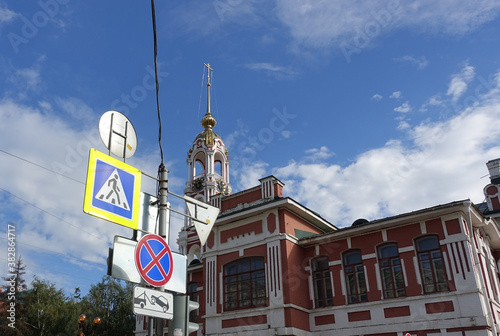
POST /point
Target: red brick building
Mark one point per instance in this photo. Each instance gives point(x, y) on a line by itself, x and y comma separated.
point(271, 266)
point(274, 267)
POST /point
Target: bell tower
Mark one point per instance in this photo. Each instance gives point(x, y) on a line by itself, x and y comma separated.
point(208, 159)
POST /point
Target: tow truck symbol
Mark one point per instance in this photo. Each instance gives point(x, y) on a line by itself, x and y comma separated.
point(143, 301)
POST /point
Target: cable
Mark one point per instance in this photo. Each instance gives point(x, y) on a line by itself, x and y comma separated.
point(69, 274)
point(156, 76)
point(201, 91)
point(40, 166)
point(51, 251)
point(48, 213)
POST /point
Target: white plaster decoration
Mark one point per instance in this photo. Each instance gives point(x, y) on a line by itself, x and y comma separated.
point(405, 278)
point(423, 228)
point(447, 265)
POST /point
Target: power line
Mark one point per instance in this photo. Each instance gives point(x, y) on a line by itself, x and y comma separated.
point(40, 166)
point(52, 251)
point(69, 274)
point(51, 214)
point(155, 51)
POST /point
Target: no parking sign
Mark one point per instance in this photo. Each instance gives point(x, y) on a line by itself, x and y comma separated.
point(153, 259)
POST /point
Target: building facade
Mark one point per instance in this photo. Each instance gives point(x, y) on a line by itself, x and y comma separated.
point(271, 266)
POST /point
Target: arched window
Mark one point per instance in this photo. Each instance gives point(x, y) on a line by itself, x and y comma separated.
point(323, 294)
point(355, 277)
point(218, 167)
point(431, 264)
point(244, 284)
point(391, 271)
point(199, 169)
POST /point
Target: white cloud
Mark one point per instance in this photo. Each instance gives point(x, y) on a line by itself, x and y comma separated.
point(248, 174)
point(435, 101)
point(420, 62)
point(26, 80)
point(404, 108)
point(377, 97)
point(215, 15)
point(6, 15)
point(334, 24)
point(444, 162)
point(318, 154)
point(396, 95)
point(329, 23)
point(47, 207)
point(458, 83)
point(275, 70)
point(403, 125)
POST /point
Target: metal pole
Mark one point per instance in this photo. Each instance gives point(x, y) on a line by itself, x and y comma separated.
point(163, 229)
point(163, 225)
point(151, 329)
point(110, 133)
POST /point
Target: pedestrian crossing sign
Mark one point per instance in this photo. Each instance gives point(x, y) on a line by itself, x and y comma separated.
point(112, 191)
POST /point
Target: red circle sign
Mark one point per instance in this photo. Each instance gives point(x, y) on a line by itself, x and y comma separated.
point(153, 259)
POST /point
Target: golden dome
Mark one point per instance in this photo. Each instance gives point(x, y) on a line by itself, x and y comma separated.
point(208, 121)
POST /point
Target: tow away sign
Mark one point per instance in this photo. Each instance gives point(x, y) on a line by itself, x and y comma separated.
point(153, 303)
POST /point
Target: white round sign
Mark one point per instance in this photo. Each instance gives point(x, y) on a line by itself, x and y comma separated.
point(118, 134)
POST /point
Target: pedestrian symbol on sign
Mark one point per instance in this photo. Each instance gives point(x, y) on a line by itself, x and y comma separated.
point(112, 192)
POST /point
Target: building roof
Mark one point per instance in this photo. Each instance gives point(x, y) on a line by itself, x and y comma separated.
point(248, 209)
point(403, 219)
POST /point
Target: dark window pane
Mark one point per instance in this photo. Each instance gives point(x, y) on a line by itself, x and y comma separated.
point(257, 263)
point(427, 243)
point(431, 263)
point(390, 271)
point(388, 251)
point(355, 277)
point(231, 269)
point(244, 283)
point(321, 281)
point(244, 265)
point(352, 258)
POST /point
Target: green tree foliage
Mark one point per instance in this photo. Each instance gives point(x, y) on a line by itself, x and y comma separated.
point(49, 311)
point(112, 302)
point(44, 310)
point(12, 301)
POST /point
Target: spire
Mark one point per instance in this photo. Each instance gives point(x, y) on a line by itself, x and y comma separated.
point(208, 159)
point(208, 121)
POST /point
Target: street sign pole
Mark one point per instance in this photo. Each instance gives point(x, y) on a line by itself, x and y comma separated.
point(163, 225)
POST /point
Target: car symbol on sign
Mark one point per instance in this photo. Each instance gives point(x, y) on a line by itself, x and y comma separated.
point(160, 301)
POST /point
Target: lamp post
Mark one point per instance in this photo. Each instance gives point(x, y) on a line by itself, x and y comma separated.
point(84, 329)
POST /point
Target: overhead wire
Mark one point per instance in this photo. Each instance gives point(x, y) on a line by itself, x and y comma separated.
point(40, 166)
point(51, 214)
point(201, 90)
point(153, 14)
point(44, 268)
point(52, 251)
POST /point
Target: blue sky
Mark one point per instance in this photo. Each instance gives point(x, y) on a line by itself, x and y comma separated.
point(363, 109)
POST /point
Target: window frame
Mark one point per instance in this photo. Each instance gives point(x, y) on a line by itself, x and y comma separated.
point(355, 278)
point(322, 282)
point(434, 276)
point(388, 266)
point(234, 284)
